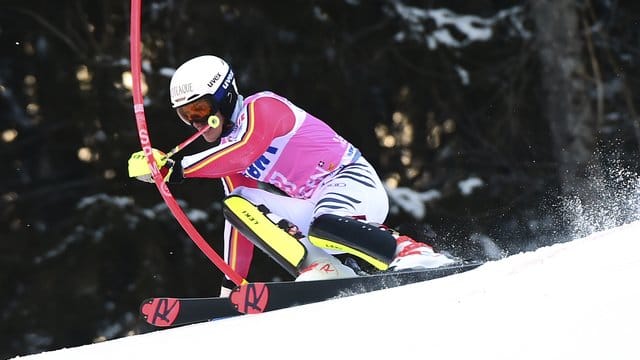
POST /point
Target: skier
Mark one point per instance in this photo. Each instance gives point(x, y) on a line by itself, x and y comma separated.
point(266, 139)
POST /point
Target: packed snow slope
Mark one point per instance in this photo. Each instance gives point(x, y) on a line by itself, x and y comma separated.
point(576, 300)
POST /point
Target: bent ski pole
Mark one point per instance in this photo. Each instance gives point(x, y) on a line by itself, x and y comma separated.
point(213, 122)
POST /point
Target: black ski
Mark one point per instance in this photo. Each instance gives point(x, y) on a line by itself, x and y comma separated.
point(260, 297)
point(168, 312)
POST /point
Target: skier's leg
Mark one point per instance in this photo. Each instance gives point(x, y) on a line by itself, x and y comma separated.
point(350, 207)
point(276, 224)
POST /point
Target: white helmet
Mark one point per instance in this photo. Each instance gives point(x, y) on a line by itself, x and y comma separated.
point(205, 75)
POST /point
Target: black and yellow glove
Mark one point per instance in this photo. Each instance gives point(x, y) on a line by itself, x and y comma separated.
point(139, 168)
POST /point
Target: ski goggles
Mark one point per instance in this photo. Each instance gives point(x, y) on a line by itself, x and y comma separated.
point(197, 111)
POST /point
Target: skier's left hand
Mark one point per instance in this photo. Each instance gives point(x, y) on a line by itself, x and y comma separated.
point(139, 168)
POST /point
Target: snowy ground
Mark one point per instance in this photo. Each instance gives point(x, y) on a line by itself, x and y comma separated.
point(577, 300)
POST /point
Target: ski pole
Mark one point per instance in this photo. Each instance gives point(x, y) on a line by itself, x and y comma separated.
point(212, 122)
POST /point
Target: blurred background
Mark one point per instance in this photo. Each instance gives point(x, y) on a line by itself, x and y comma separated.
point(504, 125)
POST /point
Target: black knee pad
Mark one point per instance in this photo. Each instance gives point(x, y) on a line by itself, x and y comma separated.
point(366, 241)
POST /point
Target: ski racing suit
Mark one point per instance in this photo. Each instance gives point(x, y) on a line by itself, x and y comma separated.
point(273, 141)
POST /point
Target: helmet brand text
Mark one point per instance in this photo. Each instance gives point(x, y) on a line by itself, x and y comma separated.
point(214, 80)
point(227, 80)
point(179, 90)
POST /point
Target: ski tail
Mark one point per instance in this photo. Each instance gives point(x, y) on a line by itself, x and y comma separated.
point(165, 312)
point(161, 312)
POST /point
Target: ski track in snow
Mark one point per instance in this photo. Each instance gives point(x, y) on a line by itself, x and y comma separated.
point(576, 300)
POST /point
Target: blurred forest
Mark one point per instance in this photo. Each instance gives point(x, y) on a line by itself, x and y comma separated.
point(535, 102)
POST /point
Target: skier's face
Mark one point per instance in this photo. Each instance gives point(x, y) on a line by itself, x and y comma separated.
point(198, 114)
point(197, 111)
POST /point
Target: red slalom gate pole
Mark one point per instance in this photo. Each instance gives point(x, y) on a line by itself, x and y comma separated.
point(145, 142)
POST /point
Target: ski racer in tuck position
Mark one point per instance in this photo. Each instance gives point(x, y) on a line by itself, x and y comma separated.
point(330, 199)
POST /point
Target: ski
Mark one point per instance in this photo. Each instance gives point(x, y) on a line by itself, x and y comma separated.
point(267, 296)
point(169, 312)
point(260, 297)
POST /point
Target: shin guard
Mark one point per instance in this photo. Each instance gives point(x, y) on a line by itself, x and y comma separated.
point(254, 224)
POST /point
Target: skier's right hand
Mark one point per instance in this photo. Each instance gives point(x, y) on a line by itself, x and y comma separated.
point(139, 168)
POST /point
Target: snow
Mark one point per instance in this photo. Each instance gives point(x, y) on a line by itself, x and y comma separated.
point(411, 201)
point(575, 300)
point(471, 28)
point(468, 185)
